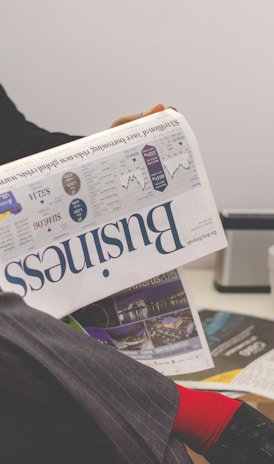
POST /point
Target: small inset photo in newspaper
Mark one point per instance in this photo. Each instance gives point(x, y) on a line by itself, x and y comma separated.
point(153, 322)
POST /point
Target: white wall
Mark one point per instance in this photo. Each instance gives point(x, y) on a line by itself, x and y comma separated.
point(75, 65)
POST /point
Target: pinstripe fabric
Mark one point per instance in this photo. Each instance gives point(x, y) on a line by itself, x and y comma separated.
point(73, 398)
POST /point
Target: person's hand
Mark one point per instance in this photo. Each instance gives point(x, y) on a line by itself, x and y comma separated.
point(133, 117)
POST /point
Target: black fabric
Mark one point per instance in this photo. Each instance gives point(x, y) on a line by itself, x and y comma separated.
point(65, 397)
point(19, 137)
point(248, 438)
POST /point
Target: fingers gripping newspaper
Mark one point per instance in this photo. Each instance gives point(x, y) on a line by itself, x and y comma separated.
point(93, 232)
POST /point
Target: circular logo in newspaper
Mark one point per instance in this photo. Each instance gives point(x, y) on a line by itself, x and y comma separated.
point(71, 183)
point(78, 210)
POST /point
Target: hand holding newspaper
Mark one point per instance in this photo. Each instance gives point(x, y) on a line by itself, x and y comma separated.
point(109, 212)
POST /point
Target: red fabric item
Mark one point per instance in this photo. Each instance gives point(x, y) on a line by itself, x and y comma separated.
point(202, 417)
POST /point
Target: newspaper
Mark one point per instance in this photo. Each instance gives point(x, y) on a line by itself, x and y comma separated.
point(155, 322)
point(242, 348)
point(90, 218)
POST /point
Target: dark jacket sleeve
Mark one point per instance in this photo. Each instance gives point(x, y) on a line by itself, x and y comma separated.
point(51, 370)
point(19, 137)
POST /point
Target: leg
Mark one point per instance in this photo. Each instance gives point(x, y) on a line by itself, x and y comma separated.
point(113, 399)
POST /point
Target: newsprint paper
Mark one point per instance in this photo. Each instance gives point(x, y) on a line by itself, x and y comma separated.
point(154, 322)
point(102, 214)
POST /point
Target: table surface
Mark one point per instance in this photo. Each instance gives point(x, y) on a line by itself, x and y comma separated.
point(205, 296)
point(201, 286)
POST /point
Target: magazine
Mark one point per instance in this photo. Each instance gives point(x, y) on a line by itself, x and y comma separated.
point(242, 349)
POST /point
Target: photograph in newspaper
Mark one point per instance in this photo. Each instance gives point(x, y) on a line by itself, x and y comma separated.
point(153, 322)
point(78, 221)
point(242, 348)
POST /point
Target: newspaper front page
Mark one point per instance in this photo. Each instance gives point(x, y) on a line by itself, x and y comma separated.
point(90, 218)
point(92, 232)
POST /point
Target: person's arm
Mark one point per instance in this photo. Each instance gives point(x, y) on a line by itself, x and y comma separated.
point(51, 371)
point(19, 137)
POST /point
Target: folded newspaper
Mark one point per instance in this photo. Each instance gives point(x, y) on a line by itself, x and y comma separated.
point(109, 212)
